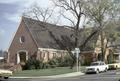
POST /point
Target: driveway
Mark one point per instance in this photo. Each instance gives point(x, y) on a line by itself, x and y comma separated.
point(107, 76)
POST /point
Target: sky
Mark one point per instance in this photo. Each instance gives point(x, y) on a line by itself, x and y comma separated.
point(10, 16)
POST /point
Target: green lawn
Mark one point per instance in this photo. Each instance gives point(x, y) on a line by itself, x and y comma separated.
point(45, 72)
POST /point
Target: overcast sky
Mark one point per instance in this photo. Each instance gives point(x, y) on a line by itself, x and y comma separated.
point(10, 15)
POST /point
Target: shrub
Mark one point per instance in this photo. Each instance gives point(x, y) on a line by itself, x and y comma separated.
point(52, 63)
point(45, 65)
point(60, 62)
point(66, 61)
point(55, 62)
point(33, 64)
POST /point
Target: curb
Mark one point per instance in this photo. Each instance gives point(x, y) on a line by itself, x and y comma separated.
point(54, 76)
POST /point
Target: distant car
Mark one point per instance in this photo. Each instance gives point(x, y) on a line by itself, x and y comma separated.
point(5, 73)
point(97, 67)
point(114, 66)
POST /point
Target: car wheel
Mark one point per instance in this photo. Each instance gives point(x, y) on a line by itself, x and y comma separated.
point(6, 77)
point(105, 69)
point(97, 71)
point(116, 67)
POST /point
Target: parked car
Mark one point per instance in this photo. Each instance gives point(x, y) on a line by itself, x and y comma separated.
point(97, 67)
point(114, 66)
point(5, 73)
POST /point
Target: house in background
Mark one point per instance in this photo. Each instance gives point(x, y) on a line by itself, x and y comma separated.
point(94, 54)
point(115, 53)
point(112, 54)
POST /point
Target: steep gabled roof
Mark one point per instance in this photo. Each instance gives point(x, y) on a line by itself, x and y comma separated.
point(40, 32)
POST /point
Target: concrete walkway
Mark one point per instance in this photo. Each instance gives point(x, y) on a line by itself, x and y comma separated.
point(56, 76)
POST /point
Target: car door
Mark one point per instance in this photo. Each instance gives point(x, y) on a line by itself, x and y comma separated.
point(103, 66)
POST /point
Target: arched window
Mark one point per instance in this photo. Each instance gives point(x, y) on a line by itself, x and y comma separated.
point(22, 39)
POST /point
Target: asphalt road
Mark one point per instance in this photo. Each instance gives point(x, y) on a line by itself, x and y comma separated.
point(107, 76)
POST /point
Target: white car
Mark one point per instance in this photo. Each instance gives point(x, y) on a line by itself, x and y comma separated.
point(97, 67)
point(5, 73)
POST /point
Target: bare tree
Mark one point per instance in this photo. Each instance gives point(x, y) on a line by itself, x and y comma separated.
point(39, 13)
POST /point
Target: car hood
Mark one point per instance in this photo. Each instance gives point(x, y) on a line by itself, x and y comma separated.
point(5, 71)
point(92, 67)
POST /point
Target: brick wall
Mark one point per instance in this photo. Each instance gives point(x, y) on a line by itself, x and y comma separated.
point(28, 44)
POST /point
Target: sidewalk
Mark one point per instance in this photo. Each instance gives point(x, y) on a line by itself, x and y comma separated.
point(56, 76)
point(117, 73)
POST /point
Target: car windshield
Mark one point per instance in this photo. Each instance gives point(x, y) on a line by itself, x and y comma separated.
point(94, 64)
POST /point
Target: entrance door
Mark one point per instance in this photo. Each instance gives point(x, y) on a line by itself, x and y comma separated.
point(22, 57)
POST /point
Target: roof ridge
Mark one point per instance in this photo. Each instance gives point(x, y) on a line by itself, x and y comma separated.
point(54, 25)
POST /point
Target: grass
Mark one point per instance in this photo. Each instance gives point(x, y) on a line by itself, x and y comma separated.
point(45, 72)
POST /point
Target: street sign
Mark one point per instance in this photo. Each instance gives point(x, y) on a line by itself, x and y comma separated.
point(77, 50)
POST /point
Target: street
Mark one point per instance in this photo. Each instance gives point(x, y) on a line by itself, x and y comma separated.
point(107, 76)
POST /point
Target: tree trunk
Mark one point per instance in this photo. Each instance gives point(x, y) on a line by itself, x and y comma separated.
point(102, 46)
